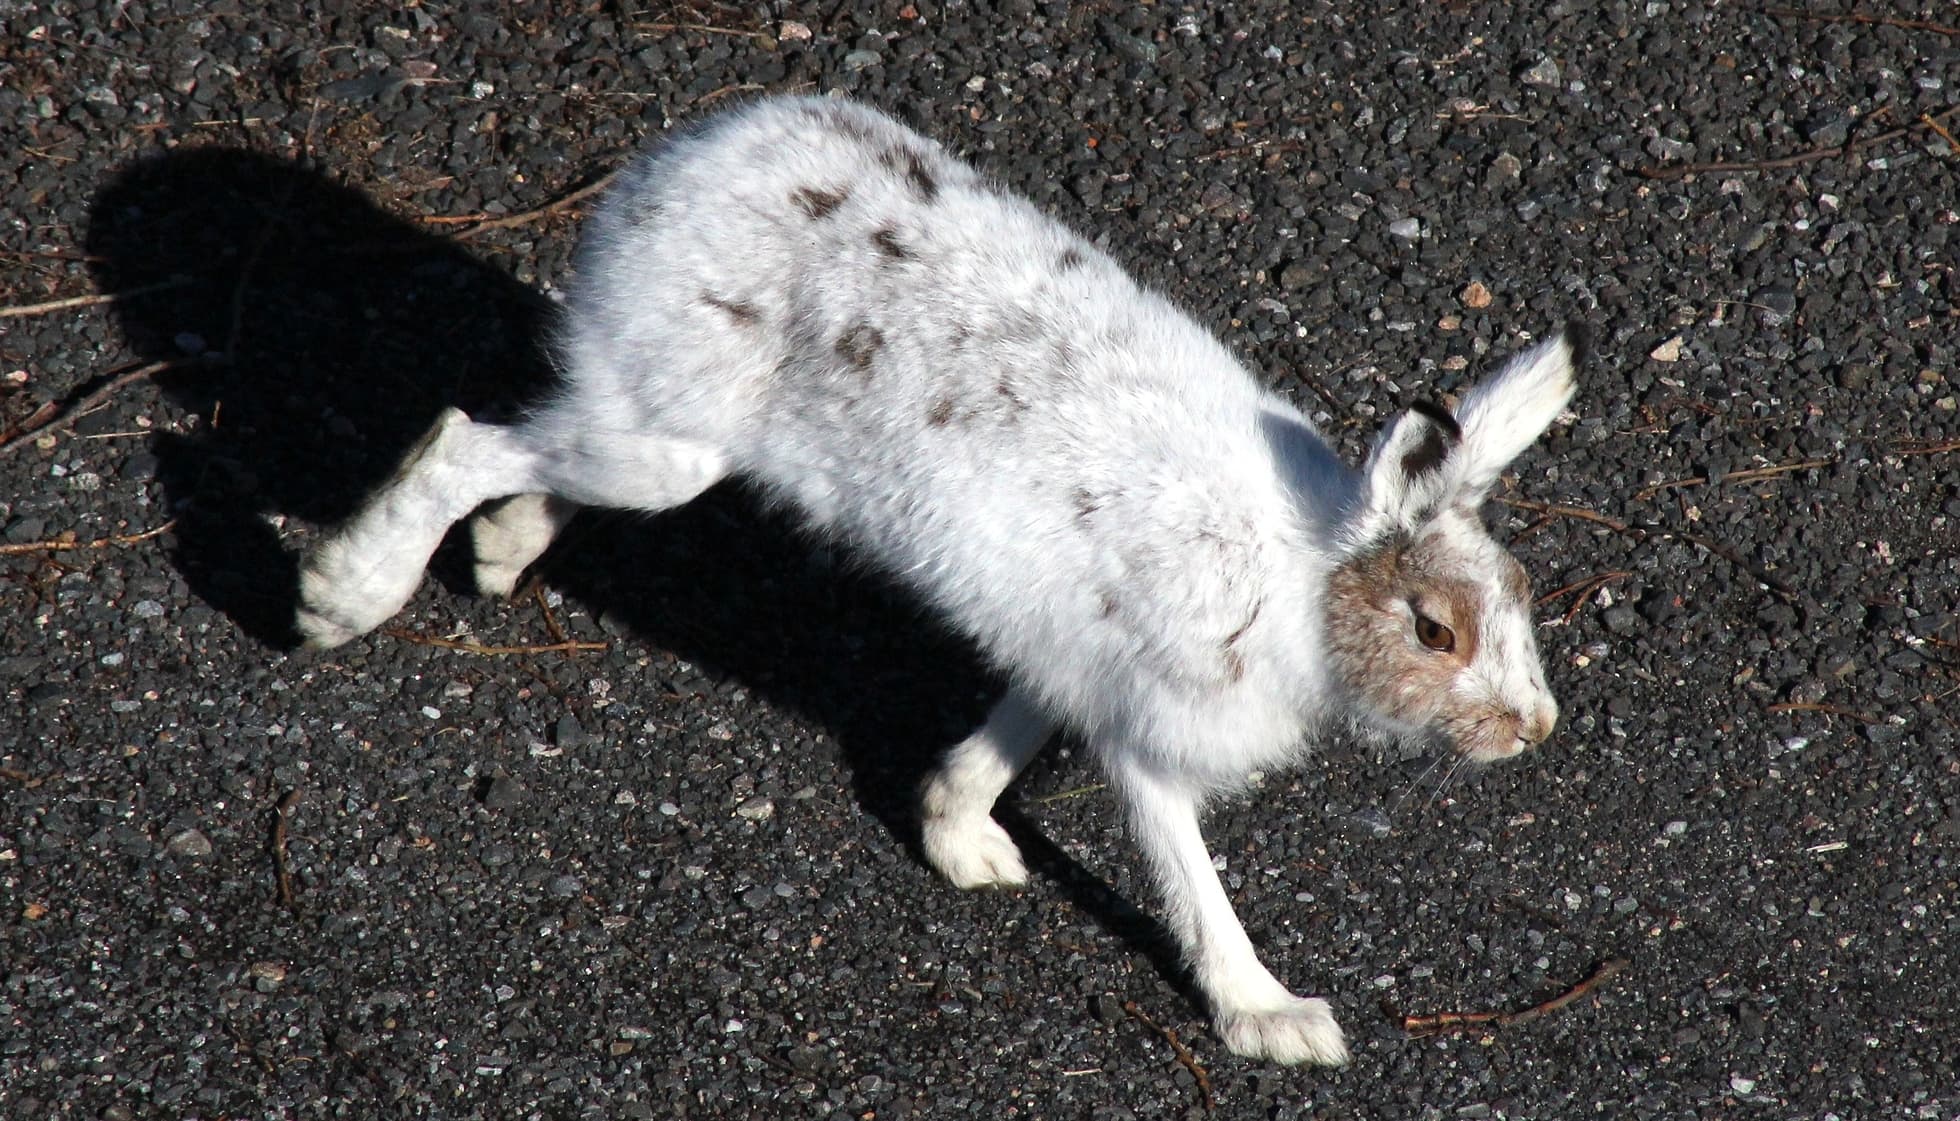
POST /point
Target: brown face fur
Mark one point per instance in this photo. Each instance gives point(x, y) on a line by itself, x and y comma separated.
point(1371, 632)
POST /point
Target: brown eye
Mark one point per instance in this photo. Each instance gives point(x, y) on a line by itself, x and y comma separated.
point(1434, 635)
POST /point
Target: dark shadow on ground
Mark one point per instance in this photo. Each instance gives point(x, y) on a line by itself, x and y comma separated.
point(327, 335)
point(319, 336)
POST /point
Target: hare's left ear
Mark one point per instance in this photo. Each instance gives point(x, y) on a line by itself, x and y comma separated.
point(1508, 412)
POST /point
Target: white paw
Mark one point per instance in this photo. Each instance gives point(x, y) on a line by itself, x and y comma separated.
point(973, 852)
point(340, 598)
point(1301, 1030)
point(496, 578)
point(322, 632)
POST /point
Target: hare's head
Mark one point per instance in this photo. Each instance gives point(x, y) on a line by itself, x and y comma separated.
point(1429, 619)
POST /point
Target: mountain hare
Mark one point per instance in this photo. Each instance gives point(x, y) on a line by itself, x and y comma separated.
point(1157, 553)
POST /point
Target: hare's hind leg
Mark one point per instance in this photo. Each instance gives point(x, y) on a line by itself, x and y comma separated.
point(509, 535)
point(367, 569)
point(960, 836)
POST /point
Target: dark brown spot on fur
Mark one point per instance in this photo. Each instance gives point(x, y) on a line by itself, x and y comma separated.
point(942, 412)
point(909, 164)
point(741, 311)
point(886, 239)
point(923, 180)
point(1235, 661)
point(860, 344)
point(1107, 605)
point(1016, 404)
point(1071, 258)
point(816, 203)
point(1085, 502)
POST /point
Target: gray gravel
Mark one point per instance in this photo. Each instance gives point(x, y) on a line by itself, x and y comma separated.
point(673, 877)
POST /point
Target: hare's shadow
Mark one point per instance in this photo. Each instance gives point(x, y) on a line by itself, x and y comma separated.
point(318, 336)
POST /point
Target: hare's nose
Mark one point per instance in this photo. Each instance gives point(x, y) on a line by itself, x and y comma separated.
point(1537, 725)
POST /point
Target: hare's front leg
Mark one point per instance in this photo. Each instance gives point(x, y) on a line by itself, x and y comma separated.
point(961, 838)
point(1255, 1015)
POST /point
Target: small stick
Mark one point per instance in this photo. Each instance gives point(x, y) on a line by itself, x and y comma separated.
point(37, 426)
point(90, 300)
point(551, 626)
point(1929, 122)
point(1826, 709)
point(1745, 476)
point(1859, 17)
point(486, 222)
point(280, 824)
point(27, 781)
point(1568, 512)
point(1259, 148)
point(717, 94)
point(1939, 448)
point(1581, 591)
point(1679, 171)
point(1439, 1023)
point(701, 27)
point(1638, 533)
point(1182, 1052)
point(496, 651)
point(23, 547)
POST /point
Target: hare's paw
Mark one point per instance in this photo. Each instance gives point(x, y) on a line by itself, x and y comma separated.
point(973, 852)
point(510, 535)
point(343, 594)
point(1300, 1030)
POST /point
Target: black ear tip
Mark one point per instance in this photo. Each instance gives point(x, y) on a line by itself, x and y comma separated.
point(1578, 339)
point(1438, 416)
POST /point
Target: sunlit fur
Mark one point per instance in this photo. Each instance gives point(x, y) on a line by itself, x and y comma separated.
point(1155, 552)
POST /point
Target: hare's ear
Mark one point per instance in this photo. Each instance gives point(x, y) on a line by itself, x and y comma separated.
point(1406, 476)
point(1508, 412)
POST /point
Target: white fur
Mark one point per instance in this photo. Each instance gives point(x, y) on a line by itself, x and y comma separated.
point(804, 293)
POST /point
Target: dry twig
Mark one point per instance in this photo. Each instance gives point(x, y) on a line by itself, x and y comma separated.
point(22, 547)
point(551, 626)
point(49, 419)
point(1438, 1023)
point(1259, 148)
point(1641, 533)
point(90, 300)
point(1929, 122)
point(482, 223)
point(1678, 171)
point(27, 781)
point(1826, 709)
point(1178, 1048)
point(496, 651)
point(1938, 447)
point(1580, 591)
point(1860, 17)
point(703, 28)
point(283, 815)
point(1748, 475)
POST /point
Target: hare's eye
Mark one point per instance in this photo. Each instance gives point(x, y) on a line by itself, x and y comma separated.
point(1434, 635)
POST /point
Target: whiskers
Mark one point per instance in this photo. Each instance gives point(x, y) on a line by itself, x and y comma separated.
point(1456, 760)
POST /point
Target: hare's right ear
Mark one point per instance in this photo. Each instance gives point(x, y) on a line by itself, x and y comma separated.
point(1508, 412)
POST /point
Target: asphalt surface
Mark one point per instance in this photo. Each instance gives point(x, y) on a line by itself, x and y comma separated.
point(674, 875)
